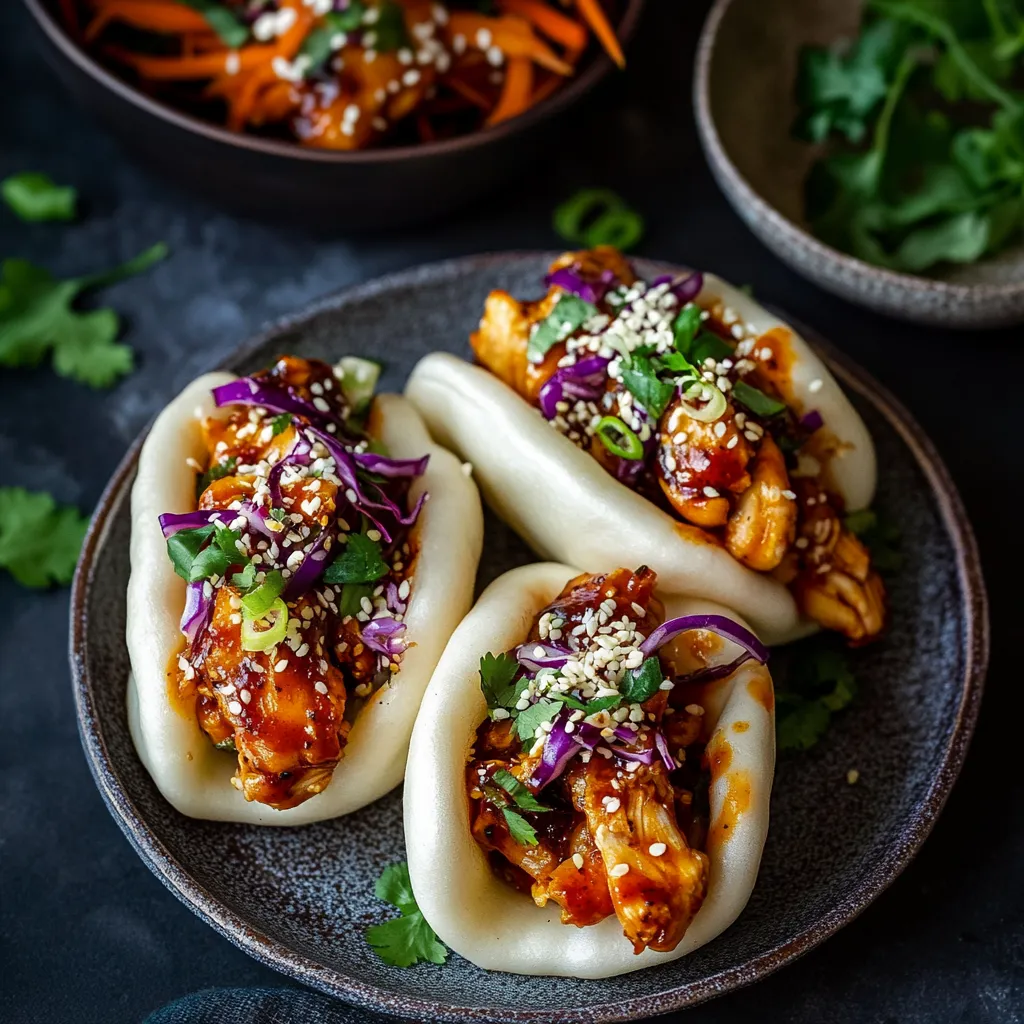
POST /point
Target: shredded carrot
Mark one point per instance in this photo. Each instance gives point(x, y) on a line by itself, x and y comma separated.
point(516, 93)
point(166, 69)
point(595, 17)
point(512, 35)
point(558, 27)
point(241, 106)
point(154, 15)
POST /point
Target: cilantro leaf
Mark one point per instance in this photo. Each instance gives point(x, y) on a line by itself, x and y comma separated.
point(279, 424)
point(640, 684)
point(257, 601)
point(390, 28)
point(818, 682)
point(591, 707)
point(519, 828)
point(880, 536)
point(39, 539)
point(686, 326)
point(223, 469)
point(360, 562)
point(36, 197)
point(643, 383)
point(569, 314)
point(521, 795)
point(756, 400)
point(530, 720)
point(37, 318)
point(408, 939)
point(222, 20)
point(193, 561)
point(496, 675)
point(351, 600)
point(246, 578)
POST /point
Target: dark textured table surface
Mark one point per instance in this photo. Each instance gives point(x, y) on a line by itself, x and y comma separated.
point(87, 933)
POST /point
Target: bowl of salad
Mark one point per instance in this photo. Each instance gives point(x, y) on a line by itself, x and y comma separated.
point(354, 114)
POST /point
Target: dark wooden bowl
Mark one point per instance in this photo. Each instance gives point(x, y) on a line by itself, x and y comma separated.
point(277, 180)
point(299, 899)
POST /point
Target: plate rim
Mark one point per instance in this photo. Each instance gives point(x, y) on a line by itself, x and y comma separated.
point(277, 955)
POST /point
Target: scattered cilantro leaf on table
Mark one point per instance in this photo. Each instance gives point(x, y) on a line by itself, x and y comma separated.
point(39, 539)
point(38, 318)
point(36, 198)
point(815, 683)
point(406, 940)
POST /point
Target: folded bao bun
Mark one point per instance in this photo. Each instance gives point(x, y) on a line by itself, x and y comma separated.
point(483, 918)
point(566, 506)
point(193, 775)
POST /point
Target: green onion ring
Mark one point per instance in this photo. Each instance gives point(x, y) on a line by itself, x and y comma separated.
point(611, 221)
point(629, 447)
point(716, 403)
point(254, 639)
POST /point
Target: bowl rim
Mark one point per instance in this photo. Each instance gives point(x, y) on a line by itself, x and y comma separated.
point(595, 70)
point(277, 955)
point(722, 163)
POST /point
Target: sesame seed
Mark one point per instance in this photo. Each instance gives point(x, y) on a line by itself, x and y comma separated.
point(499, 713)
point(320, 686)
point(612, 804)
point(577, 859)
point(484, 38)
point(710, 492)
point(656, 849)
point(694, 709)
point(232, 63)
point(815, 385)
point(281, 665)
point(235, 708)
point(791, 495)
point(619, 870)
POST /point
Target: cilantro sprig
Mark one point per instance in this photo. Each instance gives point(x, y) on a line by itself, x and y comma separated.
point(361, 561)
point(814, 683)
point(39, 539)
point(511, 789)
point(925, 126)
point(38, 319)
point(408, 939)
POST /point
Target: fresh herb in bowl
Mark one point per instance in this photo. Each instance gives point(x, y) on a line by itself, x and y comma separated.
point(923, 115)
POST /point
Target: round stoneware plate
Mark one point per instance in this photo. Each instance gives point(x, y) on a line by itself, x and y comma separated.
point(299, 899)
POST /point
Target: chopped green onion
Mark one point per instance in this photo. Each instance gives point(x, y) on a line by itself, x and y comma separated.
point(716, 403)
point(254, 639)
point(619, 439)
point(756, 400)
point(357, 379)
point(598, 216)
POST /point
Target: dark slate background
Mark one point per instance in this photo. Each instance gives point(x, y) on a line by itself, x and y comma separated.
point(87, 934)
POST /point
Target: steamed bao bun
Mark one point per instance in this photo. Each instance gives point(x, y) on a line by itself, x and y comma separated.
point(566, 506)
point(486, 920)
point(188, 770)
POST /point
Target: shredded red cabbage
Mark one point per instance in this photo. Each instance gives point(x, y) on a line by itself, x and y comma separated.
point(719, 624)
point(298, 455)
point(812, 421)
point(383, 465)
point(551, 655)
point(198, 608)
point(559, 750)
point(570, 280)
point(247, 391)
point(666, 755)
point(308, 571)
point(384, 635)
point(686, 287)
point(172, 522)
point(584, 379)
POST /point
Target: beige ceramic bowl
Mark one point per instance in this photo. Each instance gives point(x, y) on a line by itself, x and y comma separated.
point(743, 93)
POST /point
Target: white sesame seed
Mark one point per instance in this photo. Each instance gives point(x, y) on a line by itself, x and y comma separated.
point(612, 804)
point(499, 713)
point(281, 665)
point(484, 38)
point(320, 686)
point(710, 492)
point(815, 385)
point(577, 859)
point(232, 63)
point(656, 849)
point(235, 708)
point(694, 709)
point(619, 870)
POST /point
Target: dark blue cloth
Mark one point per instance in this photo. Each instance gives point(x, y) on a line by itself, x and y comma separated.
point(259, 1006)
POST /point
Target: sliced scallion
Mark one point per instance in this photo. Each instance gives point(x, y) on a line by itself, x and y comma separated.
point(619, 439)
point(260, 634)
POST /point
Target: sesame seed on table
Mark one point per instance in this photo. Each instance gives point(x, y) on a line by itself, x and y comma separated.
point(89, 934)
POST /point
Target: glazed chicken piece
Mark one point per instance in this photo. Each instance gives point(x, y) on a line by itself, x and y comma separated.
point(288, 735)
point(830, 573)
point(656, 881)
point(504, 333)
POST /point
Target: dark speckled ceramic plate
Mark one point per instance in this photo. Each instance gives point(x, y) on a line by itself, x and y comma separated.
point(299, 899)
